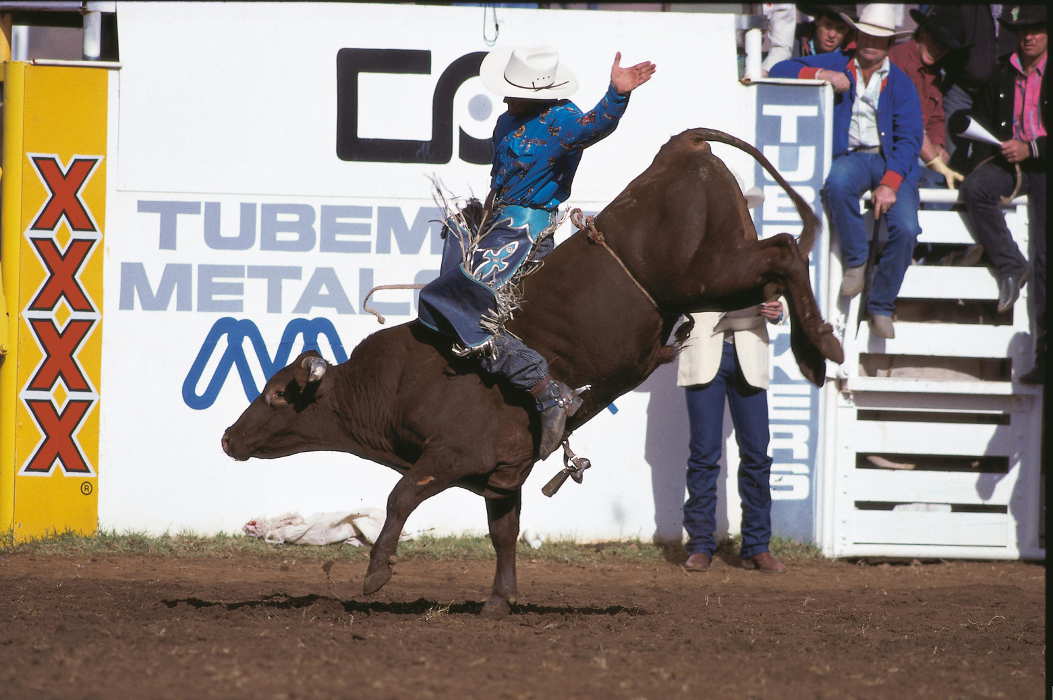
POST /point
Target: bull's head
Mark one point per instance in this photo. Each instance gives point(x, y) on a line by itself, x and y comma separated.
point(290, 415)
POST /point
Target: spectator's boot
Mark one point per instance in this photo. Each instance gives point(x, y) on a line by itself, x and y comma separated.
point(852, 281)
point(555, 402)
point(881, 326)
point(1009, 288)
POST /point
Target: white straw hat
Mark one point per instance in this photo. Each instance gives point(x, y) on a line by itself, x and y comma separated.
point(876, 19)
point(532, 73)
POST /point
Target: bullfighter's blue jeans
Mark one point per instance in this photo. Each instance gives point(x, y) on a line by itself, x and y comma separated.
point(850, 176)
point(749, 414)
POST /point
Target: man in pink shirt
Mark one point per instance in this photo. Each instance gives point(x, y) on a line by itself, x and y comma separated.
point(1013, 108)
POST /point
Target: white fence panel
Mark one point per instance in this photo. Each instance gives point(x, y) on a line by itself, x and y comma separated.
point(934, 402)
point(900, 486)
point(930, 282)
point(914, 528)
point(969, 439)
point(860, 522)
point(938, 227)
point(940, 339)
point(906, 385)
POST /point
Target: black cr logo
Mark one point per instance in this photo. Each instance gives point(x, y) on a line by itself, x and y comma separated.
point(351, 62)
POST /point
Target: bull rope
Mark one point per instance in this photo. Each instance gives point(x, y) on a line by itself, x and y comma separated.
point(588, 224)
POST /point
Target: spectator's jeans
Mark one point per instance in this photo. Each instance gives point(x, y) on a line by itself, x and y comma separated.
point(851, 175)
point(749, 414)
point(980, 192)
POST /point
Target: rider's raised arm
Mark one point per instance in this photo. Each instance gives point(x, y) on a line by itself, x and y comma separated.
point(586, 129)
point(577, 130)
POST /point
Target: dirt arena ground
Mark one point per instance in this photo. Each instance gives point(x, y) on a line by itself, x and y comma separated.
point(268, 627)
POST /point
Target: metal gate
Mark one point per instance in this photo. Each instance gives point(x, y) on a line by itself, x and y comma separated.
point(934, 446)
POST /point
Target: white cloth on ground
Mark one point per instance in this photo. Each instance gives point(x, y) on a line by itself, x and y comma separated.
point(357, 528)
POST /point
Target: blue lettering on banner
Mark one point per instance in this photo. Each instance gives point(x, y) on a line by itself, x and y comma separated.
point(290, 228)
point(296, 227)
point(236, 332)
point(790, 133)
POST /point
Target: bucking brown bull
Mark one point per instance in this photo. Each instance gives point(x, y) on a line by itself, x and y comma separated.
point(682, 241)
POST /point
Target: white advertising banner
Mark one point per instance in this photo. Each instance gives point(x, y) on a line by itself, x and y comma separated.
point(272, 164)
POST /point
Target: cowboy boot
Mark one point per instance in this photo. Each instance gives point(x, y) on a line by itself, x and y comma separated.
point(555, 402)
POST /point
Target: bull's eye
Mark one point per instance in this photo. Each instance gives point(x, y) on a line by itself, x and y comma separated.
point(277, 398)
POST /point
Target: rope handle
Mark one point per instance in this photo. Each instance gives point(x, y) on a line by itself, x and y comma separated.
point(365, 301)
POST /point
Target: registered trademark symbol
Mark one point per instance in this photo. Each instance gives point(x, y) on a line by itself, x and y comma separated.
point(86, 488)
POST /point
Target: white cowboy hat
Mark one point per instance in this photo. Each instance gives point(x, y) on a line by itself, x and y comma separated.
point(876, 19)
point(532, 73)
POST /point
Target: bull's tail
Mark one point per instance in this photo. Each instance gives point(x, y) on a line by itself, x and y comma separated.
point(810, 222)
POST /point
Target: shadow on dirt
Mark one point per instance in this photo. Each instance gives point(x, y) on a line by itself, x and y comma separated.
point(421, 606)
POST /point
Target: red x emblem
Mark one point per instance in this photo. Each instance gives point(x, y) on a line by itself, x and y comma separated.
point(59, 349)
point(62, 274)
point(64, 187)
point(58, 429)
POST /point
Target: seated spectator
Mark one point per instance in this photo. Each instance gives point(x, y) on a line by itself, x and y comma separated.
point(920, 58)
point(785, 37)
point(826, 32)
point(1013, 108)
point(968, 70)
point(877, 135)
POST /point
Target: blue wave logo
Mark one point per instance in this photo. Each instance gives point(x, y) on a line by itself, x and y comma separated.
point(236, 333)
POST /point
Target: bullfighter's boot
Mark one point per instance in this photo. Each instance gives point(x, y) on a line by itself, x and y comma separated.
point(555, 402)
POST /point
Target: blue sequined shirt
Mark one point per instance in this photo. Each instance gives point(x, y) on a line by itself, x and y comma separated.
point(536, 156)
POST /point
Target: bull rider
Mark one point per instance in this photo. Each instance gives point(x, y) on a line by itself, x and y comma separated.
point(537, 143)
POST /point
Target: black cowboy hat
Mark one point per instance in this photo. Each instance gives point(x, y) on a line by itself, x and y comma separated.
point(944, 24)
point(1017, 16)
point(834, 11)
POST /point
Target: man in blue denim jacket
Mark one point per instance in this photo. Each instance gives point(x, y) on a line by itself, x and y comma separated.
point(538, 145)
point(877, 134)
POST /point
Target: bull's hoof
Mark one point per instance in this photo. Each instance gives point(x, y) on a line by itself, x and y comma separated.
point(375, 580)
point(496, 607)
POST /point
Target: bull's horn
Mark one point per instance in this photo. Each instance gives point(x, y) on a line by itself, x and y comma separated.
point(315, 367)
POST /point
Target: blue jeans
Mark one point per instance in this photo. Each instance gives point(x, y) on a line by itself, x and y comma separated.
point(850, 176)
point(749, 414)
